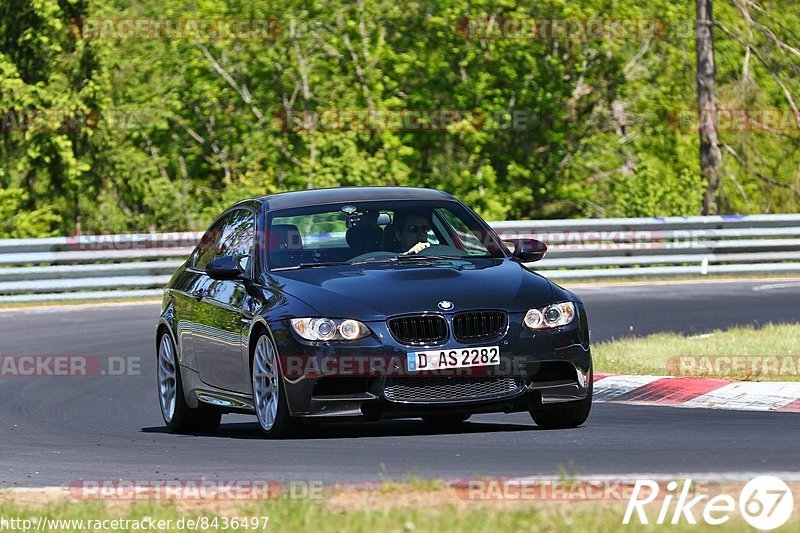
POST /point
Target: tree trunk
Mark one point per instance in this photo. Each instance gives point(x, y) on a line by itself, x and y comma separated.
point(710, 154)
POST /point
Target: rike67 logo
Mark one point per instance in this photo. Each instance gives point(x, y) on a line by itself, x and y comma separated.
point(765, 503)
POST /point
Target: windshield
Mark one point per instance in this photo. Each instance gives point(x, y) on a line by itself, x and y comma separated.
point(359, 232)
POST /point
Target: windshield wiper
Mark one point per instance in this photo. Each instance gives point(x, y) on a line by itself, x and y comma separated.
point(312, 265)
point(402, 258)
point(423, 257)
point(377, 260)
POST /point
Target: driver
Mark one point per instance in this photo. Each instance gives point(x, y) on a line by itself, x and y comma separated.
point(411, 231)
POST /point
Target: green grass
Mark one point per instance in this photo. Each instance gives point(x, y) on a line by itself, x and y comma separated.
point(672, 354)
point(293, 515)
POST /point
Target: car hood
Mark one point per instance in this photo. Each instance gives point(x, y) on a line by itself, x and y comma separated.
point(373, 291)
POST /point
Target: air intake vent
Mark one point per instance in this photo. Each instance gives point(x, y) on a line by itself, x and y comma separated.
point(479, 325)
point(419, 330)
point(424, 389)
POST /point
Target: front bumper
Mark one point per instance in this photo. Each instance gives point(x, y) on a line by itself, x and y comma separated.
point(368, 378)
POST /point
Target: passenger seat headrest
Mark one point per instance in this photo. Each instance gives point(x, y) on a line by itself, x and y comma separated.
point(284, 237)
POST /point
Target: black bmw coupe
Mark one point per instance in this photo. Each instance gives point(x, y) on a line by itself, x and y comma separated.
point(369, 302)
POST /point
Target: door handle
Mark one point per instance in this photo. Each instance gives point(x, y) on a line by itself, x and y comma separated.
point(199, 294)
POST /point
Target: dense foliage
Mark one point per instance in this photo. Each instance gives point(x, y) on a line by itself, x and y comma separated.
point(161, 133)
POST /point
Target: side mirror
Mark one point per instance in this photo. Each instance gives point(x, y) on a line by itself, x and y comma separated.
point(226, 267)
point(527, 250)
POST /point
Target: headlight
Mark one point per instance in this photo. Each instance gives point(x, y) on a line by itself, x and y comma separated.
point(326, 329)
point(552, 316)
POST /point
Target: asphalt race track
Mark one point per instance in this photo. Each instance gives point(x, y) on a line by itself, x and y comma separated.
point(56, 430)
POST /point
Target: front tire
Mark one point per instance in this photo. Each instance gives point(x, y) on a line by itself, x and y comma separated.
point(177, 415)
point(566, 416)
point(269, 392)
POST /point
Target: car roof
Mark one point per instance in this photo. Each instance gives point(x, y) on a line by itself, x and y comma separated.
point(288, 200)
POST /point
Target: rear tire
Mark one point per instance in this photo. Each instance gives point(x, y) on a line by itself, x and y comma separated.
point(566, 415)
point(269, 391)
point(177, 415)
point(446, 420)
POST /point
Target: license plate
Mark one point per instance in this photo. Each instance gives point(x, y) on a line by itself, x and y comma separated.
point(460, 358)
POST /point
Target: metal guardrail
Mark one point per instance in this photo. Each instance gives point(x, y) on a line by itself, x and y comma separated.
point(137, 265)
point(663, 247)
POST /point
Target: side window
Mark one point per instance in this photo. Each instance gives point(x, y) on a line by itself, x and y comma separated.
point(232, 235)
point(206, 250)
point(238, 234)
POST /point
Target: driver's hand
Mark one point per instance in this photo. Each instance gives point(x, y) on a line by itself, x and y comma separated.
point(418, 248)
